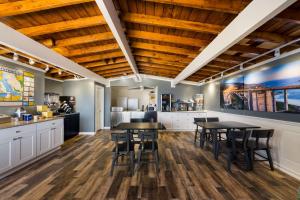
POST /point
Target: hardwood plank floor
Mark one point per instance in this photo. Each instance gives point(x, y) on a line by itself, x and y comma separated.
point(80, 170)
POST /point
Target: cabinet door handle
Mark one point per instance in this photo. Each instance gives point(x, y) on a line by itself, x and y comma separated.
point(18, 131)
point(20, 138)
point(14, 139)
point(53, 128)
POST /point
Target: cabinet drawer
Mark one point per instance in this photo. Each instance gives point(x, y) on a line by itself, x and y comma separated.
point(18, 130)
point(48, 124)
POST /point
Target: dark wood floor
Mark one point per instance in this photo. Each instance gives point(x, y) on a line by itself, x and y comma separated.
point(80, 170)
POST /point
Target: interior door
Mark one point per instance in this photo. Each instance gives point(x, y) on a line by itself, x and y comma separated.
point(99, 107)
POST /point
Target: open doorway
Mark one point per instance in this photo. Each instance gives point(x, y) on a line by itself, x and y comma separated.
point(99, 107)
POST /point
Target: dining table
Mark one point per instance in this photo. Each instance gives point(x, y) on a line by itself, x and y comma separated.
point(130, 126)
point(227, 126)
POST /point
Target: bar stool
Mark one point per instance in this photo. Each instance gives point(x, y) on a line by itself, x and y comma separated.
point(148, 145)
point(123, 147)
point(259, 141)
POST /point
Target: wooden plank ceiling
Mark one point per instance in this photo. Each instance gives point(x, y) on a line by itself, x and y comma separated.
point(74, 28)
point(164, 35)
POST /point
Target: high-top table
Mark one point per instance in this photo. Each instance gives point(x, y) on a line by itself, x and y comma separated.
point(229, 126)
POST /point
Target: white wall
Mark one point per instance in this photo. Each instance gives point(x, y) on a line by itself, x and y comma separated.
point(285, 142)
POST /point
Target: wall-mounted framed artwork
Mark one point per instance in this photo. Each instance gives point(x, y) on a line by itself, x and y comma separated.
point(16, 87)
point(267, 89)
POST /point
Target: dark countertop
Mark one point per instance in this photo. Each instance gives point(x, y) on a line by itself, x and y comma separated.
point(24, 123)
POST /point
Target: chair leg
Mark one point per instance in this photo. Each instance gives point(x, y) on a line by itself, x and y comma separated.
point(248, 159)
point(132, 163)
point(252, 155)
point(156, 160)
point(139, 158)
point(195, 139)
point(114, 158)
point(270, 159)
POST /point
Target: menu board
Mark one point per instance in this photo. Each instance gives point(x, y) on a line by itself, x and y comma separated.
point(16, 87)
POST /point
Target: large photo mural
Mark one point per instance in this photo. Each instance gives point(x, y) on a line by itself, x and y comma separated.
point(267, 89)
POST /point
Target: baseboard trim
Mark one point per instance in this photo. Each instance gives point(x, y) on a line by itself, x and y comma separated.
point(107, 127)
point(288, 171)
point(87, 133)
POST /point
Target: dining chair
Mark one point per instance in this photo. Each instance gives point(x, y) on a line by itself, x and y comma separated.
point(259, 141)
point(220, 132)
point(148, 145)
point(237, 145)
point(201, 119)
point(123, 147)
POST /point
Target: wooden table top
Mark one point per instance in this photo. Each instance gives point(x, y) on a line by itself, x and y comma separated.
point(225, 125)
point(141, 126)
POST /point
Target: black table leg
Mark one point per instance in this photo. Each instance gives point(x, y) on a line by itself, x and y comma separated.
point(232, 150)
point(216, 145)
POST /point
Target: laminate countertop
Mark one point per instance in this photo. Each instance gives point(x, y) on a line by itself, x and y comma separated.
point(24, 123)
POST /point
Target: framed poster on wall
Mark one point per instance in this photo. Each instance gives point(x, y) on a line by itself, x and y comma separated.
point(16, 87)
point(266, 89)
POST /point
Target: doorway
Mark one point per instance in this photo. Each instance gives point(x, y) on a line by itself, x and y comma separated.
point(99, 107)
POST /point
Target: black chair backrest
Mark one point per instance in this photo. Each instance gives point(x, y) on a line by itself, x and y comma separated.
point(121, 138)
point(151, 116)
point(259, 133)
point(212, 119)
point(262, 134)
point(199, 119)
point(149, 136)
point(134, 120)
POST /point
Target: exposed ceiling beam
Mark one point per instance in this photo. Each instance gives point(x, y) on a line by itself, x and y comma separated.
point(167, 38)
point(253, 16)
point(159, 61)
point(163, 56)
point(117, 74)
point(103, 56)
point(194, 26)
point(121, 69)
point(159, 66)
point(62, 26)
point(90, 50)
point(185, 41)
point(163, 48)
point(27, 6)
point(108, 67)
point(110, 14)
point(228, 6)
point(105, 62)
point(172, 23)
point(84, 39)
point(15, 40)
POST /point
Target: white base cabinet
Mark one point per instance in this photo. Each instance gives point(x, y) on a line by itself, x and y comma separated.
point(49, 135)
point(21, 144)
point(179, 121)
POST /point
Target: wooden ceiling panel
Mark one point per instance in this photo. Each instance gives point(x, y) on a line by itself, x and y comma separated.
point(165, 35)
point(75, 29)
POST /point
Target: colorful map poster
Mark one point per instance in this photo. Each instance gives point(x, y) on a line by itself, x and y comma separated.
point(16, 87)
point(11, 87)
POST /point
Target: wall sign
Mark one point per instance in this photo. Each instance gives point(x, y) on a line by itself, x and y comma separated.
point(16, 87)
point(268, 89)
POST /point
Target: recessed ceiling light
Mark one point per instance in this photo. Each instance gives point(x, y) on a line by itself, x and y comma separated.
point(59, 72)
